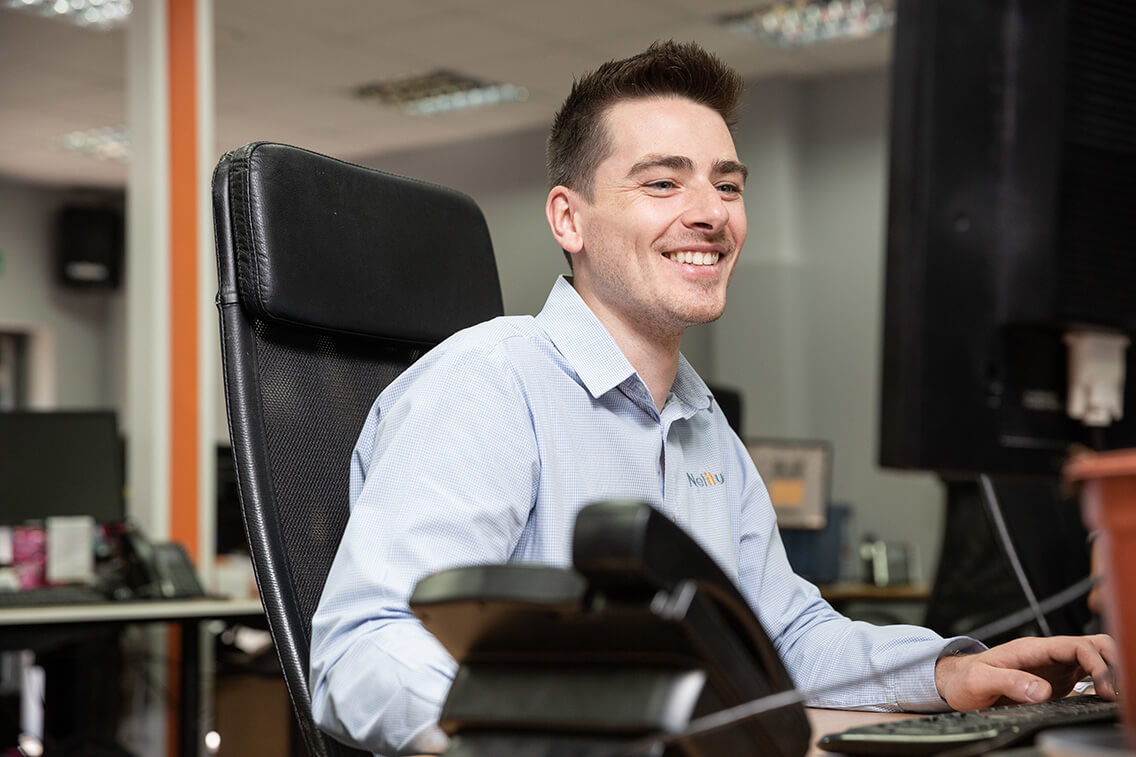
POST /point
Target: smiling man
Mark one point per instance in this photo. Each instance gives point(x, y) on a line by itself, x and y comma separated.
point(485, 450)
point(654, 235)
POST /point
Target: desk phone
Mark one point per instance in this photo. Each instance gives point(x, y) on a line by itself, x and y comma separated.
point(644, 634)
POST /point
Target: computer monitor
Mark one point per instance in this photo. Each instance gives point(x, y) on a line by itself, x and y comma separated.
point(230, 524)
point(1011, 244)
point(1011, 231)
point(60, 463)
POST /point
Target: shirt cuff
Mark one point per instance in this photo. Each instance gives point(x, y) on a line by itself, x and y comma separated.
point(922, 694)
point(430, 739)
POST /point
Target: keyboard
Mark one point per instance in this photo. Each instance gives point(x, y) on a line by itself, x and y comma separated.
point(51, 595)
point(977, 731)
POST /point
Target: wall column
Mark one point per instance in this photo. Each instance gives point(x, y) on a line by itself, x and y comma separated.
point(171, 321)
point(171, 332)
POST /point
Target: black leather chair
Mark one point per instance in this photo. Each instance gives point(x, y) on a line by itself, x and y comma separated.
point(333, 279)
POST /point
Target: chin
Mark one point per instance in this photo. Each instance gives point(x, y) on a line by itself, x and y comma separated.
point(705, 314)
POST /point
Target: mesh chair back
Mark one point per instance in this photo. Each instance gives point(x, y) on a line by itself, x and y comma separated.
point(333, 279)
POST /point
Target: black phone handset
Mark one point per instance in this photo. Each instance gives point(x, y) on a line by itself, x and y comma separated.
point(645, 635)
point(629, 546)
point(161, 570)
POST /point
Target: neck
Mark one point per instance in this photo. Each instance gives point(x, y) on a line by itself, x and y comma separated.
point(652, 352)
point(655, 364)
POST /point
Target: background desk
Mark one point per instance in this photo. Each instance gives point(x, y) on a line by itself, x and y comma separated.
point(28, 627)
point(898, 603)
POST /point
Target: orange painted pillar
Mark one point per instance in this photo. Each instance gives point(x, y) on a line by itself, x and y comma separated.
point(184, 286)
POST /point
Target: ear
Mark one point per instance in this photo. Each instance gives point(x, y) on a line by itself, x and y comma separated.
point(562, 209)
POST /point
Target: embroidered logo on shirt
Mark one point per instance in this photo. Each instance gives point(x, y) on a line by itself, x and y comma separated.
point(700, 480)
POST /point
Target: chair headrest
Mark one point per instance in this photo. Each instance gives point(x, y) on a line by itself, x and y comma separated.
point(320, 242)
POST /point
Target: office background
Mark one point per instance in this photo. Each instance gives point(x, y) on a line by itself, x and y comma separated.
point(800, 337)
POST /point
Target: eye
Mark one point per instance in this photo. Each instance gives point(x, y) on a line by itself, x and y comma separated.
point(730, 188)
point(663, 185)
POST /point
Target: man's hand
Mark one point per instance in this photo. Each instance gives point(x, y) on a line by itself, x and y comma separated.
point(1026, 670)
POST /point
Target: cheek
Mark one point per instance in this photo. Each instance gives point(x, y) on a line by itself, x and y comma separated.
point(740, 229)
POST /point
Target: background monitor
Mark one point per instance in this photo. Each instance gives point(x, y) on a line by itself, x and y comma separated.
point(1011, 223)
point(60, 463)
point(230, 525)
point(798, 476)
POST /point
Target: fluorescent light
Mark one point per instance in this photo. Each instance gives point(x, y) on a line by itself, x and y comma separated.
point(104, 143)
point(440, 91)
point(95, 14)
point(805, 22)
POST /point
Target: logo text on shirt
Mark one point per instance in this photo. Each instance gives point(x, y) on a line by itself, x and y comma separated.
point(700, 480)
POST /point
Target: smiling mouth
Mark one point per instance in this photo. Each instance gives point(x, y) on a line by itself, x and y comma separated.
point(694, 258)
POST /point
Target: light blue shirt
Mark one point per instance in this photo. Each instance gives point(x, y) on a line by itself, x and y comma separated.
point(485, 450)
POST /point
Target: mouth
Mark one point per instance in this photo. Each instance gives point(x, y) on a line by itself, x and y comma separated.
point(694, 257)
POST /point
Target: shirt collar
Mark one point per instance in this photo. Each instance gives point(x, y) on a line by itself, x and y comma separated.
point(584, 342)
point(587, 345)
point(689, 387)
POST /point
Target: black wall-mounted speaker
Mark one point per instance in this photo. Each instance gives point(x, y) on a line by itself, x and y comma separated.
point(89, 247)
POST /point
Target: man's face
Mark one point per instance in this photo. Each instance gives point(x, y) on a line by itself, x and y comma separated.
point(662, 233)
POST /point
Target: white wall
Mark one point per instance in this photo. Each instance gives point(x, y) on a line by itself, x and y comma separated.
point(844, 205)
point(84, 375)
point(801, 334)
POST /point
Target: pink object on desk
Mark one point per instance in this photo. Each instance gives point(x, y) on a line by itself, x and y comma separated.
point(29, 556)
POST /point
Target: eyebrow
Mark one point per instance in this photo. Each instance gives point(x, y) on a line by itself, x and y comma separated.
point(683, 163)
point(674, 162)
point(731, 166)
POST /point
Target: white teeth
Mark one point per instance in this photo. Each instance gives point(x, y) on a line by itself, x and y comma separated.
point(694, 258)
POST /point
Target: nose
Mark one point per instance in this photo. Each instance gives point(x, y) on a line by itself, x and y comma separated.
point(707, 211)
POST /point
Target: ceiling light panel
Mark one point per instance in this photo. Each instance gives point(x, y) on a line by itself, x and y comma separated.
point(95, 14)
point(794, 24)
point(105, 143)
point(440, 91)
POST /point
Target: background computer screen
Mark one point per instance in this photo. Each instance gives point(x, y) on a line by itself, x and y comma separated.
point(1011, 223)
point(60, 463)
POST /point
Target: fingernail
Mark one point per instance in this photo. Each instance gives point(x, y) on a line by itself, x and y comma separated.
point(1032, 691)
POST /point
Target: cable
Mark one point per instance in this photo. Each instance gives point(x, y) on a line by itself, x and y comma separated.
point(995, 512)
point(790, 697)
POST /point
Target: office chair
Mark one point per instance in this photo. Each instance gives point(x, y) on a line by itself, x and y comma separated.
point(333, 279)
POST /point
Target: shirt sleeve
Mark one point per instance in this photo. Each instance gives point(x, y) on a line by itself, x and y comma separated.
point(836, 662)
point(433, 486)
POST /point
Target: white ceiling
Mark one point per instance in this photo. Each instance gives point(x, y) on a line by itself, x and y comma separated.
point(285, 70)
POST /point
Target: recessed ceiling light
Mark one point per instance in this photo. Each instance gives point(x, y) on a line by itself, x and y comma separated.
point(96, 14)
point(440, 91)
point(805, 22)
point(104, 143)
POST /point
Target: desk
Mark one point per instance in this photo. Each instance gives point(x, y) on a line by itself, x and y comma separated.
point(834, 721)
point(26, 627)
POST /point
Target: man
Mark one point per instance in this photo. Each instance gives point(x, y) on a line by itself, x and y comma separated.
point(485, 450)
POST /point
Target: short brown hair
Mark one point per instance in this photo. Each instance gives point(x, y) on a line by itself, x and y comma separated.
point(578, 142)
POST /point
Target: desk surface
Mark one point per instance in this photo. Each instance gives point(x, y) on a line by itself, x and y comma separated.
point(142, 611)
point(835, 721)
